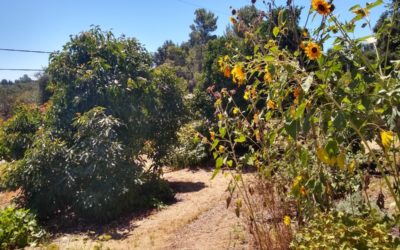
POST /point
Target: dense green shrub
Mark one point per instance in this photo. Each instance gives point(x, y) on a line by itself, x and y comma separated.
point(189, 151)
point(95, 178)
point(43, 175)
point(18, 228)
point(105, 179)
point(107, 103)
point(337, 230)
point(167, 111)
point(17, 133)
point(97, 69)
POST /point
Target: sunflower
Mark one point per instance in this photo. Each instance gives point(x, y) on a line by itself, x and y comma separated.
point(233, 20)
point(322, 7)
point(293, 111)
point(297, 92)
point(212, 135)
point(238, 75)
point(227, 71)
point(387, 138)
point(361, 12)
point(267, 76)
point(287, 220)
point(271, 104)
point(303, 191)
point(236, 110)
point(313, 51)
point(305, 33)
point(246, 95)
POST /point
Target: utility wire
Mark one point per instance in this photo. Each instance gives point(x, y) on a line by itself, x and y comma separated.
point(26, 51)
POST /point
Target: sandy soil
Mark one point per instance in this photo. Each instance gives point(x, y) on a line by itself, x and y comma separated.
point(6, 198)
point(198, 220)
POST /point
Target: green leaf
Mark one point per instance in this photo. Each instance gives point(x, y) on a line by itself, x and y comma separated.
point(339, 122)
point(215, 172)
point(374, 4)
point(332, 147)
point(360, 107)
point(300, 110)
point(275, 31)
point(354, 7)
point(222, 132)
point(215, 144)
point(219, 162)
point(304, 158)
point(292, 128)
point(215, 155)
point(241, 138)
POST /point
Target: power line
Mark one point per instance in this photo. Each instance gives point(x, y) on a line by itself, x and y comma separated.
point(26, 51)
point(21, 69)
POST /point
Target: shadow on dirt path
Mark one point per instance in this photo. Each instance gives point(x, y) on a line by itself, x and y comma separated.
point(197, 220)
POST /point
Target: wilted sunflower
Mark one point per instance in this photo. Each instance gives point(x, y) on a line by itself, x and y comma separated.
point(238, 75)
point(313, 51)
point(267, 75)
point(271, 104)
point(297, 92)
point(322, 7)
point(233, 20)
point(361, 12)
point(227, 72)
point(387, 138)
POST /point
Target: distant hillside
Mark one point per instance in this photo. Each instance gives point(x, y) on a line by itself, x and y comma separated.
point(13, 94)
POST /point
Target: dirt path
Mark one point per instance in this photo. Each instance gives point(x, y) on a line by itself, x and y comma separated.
point(198, 220)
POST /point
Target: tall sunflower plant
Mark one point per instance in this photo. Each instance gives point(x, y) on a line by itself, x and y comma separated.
point(315, 118)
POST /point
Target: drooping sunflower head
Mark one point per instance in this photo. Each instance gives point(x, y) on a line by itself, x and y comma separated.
point(271, 104)
point(313, 51)
point(233, 20)
point(267, 75)
point(238, 75)
point(322, 7)
point(361, 12)
point(227, 71)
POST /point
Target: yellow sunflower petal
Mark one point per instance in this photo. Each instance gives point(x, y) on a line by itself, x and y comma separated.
point(387, 139)
point(321, 6)
point(287, 220)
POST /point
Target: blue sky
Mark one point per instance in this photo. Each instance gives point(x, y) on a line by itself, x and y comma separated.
point(47, 24)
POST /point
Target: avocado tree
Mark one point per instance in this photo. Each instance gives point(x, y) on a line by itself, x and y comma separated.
point(107, 104)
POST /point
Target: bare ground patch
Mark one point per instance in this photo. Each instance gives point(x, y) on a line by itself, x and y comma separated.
point(198, 220)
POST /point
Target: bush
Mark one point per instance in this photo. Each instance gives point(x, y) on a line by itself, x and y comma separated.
point(18, 228)
point(105, 180)
point(107, 103)
point(17, 133)
point(43, 175)
point(94, 177)
point(189, 151)
point(166, 112)
point(338, 230)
